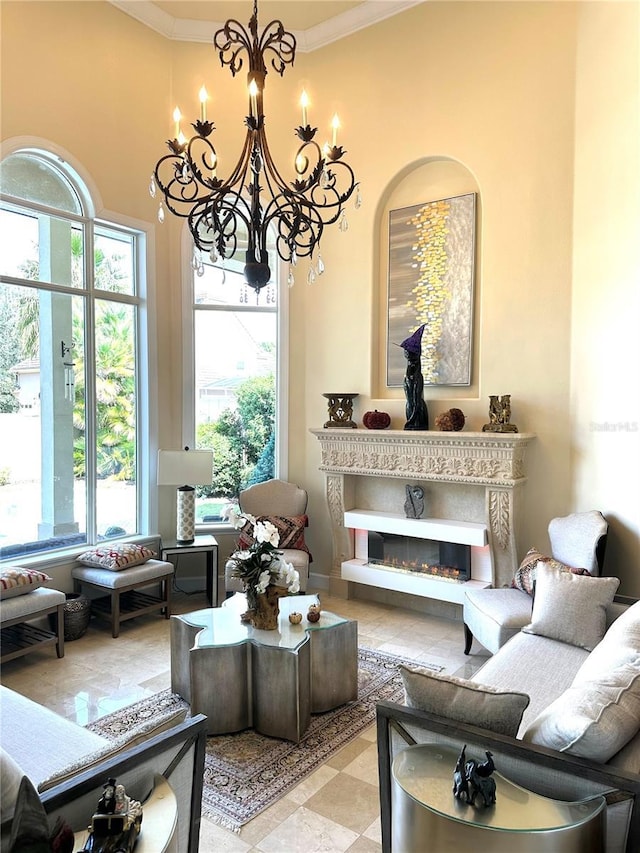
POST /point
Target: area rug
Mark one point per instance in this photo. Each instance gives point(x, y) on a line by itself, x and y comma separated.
point(246, 773)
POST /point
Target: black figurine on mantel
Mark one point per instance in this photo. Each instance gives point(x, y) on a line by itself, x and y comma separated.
point(416, 410)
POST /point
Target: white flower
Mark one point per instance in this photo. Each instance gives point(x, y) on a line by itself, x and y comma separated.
point(291, 578)
point(239, 519)
point(241, 555)
point(264, 531)
point(263, 582)
point(265, 558)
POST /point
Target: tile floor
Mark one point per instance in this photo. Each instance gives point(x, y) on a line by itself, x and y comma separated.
point(336, 808)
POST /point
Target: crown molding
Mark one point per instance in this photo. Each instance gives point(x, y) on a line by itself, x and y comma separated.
point(185, 29)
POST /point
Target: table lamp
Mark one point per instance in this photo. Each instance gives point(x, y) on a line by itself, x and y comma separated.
point(185, 466)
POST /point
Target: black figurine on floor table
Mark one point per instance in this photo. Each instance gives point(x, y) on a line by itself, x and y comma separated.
point(416, 410)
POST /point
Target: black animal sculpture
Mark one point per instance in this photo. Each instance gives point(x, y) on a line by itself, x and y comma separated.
point(472, 778)
point(460, 784)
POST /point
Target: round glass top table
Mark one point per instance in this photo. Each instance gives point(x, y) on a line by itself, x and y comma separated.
point(242, 677)
point(425, 814)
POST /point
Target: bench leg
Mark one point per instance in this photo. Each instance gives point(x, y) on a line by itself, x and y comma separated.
point(115, 613)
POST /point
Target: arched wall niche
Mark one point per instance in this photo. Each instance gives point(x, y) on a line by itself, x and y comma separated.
point(425, 180)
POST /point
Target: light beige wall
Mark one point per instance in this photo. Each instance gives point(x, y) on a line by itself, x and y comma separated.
point(605, 403)
point(490, 85)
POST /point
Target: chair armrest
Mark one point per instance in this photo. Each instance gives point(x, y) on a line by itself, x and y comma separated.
point(538, 769)
point(176, 754)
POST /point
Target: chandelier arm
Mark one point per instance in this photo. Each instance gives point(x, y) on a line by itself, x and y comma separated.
point(230, 42)
point(277, 41)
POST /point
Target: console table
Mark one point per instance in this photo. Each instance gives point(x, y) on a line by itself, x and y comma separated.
point(241, 677)
point(423, 806)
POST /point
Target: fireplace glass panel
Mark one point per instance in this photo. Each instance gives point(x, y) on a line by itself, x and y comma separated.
point(446, 560)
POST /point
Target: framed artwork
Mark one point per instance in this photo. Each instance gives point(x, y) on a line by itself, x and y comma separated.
point(431, 281)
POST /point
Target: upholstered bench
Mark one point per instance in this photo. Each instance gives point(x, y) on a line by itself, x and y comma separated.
point(18, 635)
point(125, 600)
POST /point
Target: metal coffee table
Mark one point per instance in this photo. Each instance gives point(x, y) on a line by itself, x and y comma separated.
point(242, 677)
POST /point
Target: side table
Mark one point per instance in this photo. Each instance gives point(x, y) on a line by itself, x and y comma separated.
point(206, 545)
point(423, 806)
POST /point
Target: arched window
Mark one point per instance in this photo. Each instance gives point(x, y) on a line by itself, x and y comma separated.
point(70, 313)
point(236, 393)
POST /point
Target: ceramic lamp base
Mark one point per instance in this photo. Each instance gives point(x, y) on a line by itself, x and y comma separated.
point(186, 519)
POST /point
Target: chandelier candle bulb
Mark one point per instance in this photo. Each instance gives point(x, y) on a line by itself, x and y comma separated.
point(203, 104)
point(304, 103)
point(253, 95)
point(177, 115)
point(335, 124)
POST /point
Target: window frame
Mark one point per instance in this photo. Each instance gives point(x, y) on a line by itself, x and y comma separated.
point(145, 343)
point(188, 367)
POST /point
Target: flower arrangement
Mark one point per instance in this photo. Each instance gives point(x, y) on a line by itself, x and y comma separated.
point(261, 565)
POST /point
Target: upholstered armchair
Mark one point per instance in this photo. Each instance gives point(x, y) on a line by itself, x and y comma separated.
point(285, 505)
point(493, 616)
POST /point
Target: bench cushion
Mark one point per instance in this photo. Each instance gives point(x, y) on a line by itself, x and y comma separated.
point(136, 576)
point(31, 604)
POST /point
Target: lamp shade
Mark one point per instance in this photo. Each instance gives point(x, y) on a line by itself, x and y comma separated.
point(188, 467)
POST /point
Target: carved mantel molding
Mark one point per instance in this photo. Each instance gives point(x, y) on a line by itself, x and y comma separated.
point(492, 460)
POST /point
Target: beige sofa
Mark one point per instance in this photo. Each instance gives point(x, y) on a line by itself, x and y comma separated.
point(560, 719)
point(68, 765)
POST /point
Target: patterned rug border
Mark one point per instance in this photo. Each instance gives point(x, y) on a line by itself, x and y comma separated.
point(246, 772)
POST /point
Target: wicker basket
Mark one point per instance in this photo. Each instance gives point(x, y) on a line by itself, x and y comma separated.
point(77, 612)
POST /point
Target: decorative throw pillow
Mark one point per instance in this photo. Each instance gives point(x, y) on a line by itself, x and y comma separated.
point(15, 580)
point(464, 701)
point(116, 557)
point(571, 608)
point(525, 576)
point(290, 529)
point(593, 719)
point(10, 777)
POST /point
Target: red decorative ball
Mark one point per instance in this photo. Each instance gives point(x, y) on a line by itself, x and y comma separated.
point(376, 420)
point(314, 614)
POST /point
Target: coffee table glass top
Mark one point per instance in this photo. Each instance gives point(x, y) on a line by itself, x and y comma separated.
point(222, 626)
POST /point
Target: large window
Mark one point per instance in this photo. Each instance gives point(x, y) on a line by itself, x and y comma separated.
point(69, 330)
point(236, 390)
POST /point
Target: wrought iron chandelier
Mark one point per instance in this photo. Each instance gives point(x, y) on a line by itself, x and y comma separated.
point(222, 212)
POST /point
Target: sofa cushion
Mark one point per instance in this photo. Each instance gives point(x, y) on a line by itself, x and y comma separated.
point(132, 737)
point(463, 701)
point(535, 665)
point(14, 580)
point(116, 557)
point(600, 712)
point(592, 719)
point(571, 608)
point(23, 722)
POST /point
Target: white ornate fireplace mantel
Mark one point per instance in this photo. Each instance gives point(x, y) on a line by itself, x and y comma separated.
point(494, 461)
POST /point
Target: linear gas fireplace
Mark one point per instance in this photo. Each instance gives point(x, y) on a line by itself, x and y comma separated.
point(448, 561)
point(417, 555)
